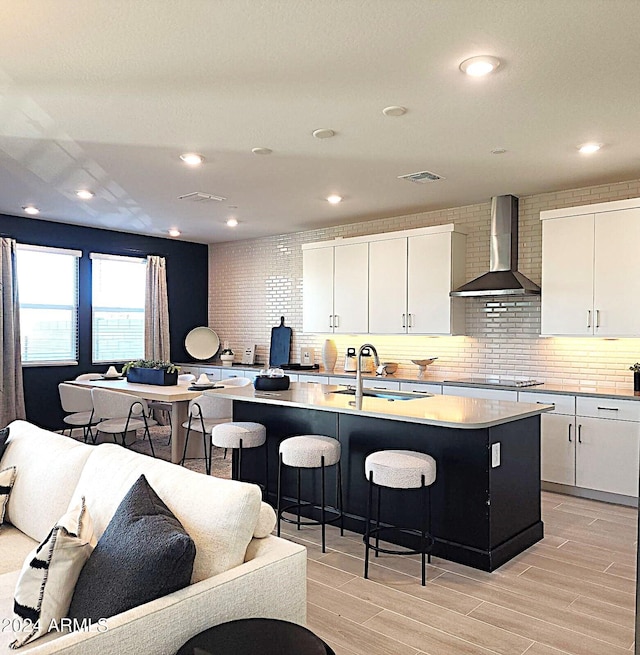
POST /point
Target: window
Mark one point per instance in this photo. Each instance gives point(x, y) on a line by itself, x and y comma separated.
point(117, 308)
point(48, 293)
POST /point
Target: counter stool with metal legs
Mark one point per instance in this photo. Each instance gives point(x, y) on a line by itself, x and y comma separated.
point(311, 451)
point(399, 469)
point(240, 435)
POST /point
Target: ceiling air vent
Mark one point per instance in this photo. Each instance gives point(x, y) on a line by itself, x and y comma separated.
point(197, 196)
point(421, 177)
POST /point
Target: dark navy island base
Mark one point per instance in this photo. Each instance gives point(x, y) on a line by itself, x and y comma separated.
point(483, 516)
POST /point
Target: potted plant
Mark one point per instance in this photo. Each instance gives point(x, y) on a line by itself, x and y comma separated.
point(226, 356)
point(150, 371)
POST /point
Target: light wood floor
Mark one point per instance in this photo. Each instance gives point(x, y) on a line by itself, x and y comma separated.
point(573, 592)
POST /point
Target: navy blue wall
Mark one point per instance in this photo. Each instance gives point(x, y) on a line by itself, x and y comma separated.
point(187, 280)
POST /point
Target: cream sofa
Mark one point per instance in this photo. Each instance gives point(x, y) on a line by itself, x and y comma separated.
point(236, 574)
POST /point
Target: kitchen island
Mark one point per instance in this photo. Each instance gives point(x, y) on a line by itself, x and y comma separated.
point(486, 497)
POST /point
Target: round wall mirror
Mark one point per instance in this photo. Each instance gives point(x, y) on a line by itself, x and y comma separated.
point(202, 343)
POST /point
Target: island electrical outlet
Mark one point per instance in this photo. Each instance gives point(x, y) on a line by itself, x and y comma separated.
point(495, 455)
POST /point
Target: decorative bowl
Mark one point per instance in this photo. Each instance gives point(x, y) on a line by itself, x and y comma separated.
point(424, 362)
point(390, 367)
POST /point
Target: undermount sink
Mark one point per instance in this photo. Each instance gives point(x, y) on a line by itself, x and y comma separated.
point(385, 394)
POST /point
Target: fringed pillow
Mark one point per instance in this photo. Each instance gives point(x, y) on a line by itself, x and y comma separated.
point(49, 575)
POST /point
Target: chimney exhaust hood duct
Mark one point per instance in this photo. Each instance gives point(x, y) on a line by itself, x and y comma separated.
point(503, 278)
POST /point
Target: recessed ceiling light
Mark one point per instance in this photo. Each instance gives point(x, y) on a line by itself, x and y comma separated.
point(498, 151)
point(192, 158)
point(394, 110)
point(323, 133)
point(261, 151)
point(85, 194)
point(334, 199)
point(479, 66)
point(232, 222)
point(30, 209)
point(589, 148)
point(174, 232)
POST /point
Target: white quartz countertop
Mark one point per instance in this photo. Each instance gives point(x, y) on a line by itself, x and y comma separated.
point(444, 411)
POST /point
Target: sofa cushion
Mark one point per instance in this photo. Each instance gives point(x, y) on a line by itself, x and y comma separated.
point(49, 466)
point(14, 546)
point(143, 554)
point(4, 435)
point(7, 478)
point(49, 575)
point(219, 515)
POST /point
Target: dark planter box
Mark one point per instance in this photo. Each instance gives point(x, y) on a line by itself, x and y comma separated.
point(152, 376)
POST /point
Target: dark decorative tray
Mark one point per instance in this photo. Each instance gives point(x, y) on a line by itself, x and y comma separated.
point(266, 383)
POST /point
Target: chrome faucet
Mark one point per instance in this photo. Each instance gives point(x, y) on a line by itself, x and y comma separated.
point(376, 361)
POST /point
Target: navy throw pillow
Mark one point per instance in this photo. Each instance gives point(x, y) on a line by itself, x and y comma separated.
point(4, 435)
point(143, 554)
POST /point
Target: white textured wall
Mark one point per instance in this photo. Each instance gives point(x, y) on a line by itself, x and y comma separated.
point(252, 283)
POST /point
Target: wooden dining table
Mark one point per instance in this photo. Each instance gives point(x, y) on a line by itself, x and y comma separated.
point(178, 395)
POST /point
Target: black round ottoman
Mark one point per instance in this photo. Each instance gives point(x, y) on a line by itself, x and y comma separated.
point(252, 636)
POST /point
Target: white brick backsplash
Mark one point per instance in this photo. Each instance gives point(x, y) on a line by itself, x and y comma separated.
point(252, 283)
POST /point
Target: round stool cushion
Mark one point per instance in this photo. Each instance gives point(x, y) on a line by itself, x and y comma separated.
point(228, 435)
point(306, 451)
point(400, 469)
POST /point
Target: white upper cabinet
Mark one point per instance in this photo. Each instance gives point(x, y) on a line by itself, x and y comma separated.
point(388, 286)
point(588, 282)
point(335, 287)
point(410, 276)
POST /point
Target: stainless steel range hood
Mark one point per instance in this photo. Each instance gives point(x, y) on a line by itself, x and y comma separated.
point(503, 278)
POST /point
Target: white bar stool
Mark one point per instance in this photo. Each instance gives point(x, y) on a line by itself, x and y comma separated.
point(311, 451)
point(239, 435)
point(400, 469)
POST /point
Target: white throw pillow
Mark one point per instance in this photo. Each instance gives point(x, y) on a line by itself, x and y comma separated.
point(7, 478)
point(49, 575)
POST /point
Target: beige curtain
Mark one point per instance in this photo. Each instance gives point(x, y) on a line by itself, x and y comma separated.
point(12, 405)
point(156, 311)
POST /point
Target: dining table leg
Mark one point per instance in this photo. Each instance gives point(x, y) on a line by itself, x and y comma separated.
point(179, 414)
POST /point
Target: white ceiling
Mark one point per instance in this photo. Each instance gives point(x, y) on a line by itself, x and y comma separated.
point(106, 94)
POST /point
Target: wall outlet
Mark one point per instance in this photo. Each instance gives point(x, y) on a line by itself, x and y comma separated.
point(307, 356)
point(495, 455)
point(249, 355)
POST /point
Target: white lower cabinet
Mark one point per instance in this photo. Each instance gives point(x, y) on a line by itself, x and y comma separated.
point(581, 449)
point(558, 444)
point(314, 379)
point(607, 455)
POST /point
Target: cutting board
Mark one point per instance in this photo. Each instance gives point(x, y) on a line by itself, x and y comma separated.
point(280, 344)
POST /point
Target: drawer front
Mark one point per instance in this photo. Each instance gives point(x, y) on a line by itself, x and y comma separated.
point(211, 372)
point(479, 392)
point(345, 382)
point(563, 404)
point(418, 386)
point(622, 410)
point(315, 379)
point(381, 384)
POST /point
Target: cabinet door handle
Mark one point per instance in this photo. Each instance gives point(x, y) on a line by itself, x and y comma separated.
point(541, 402)
point(569, 432)
point(410, 320)
point(597, 318)
point(336, 320)
point(588, 318)
point(610, 409)
point(404, 321)
point(580, 433)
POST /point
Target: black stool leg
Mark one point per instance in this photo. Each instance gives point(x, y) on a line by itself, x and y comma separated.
point(279, 499)
point(423, 539)
point(339, 499)
point(298, 484)
point(378, 520)
point(266, 472)
point(186, 442)
point(322, 501)
point(368, 526)
point(429, 532)
point(239, 471)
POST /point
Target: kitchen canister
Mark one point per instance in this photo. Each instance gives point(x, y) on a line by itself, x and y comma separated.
point(329, 355)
